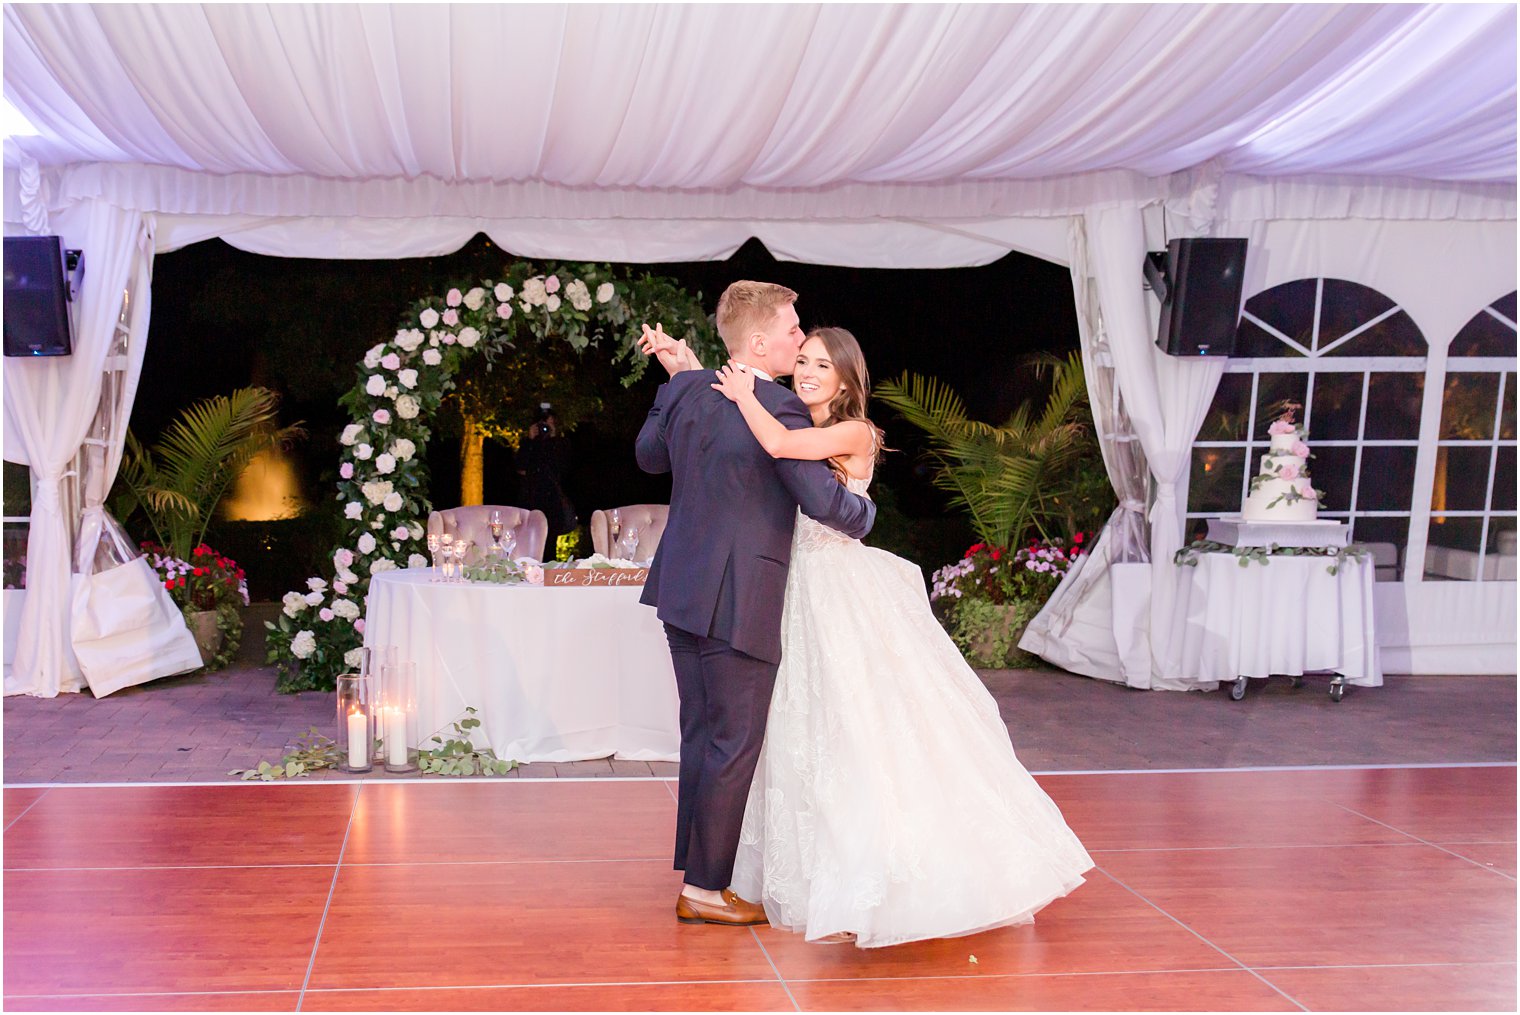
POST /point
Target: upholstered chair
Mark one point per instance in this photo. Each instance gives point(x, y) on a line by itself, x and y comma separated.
point(473, 522)
point(649, 519)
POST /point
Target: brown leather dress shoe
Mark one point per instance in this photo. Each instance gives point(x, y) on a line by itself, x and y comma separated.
point(735, 912)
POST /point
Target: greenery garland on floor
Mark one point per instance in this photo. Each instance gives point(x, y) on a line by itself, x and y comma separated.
point(400, 385)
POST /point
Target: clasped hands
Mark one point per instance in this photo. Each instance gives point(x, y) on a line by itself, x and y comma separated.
point(734, 380)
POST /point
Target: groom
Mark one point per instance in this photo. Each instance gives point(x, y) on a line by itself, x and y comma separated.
point(719, 578)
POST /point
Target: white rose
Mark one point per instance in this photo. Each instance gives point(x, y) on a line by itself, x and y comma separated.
point(366, 543)
point(385, 465)
point(416, 560)
point(376, 491)
point(346, 608)
point(408, 340)
point(314, 598)
point(434, 338)
point(417, 530)
point(316, 584)
point(391, 391)
point(400, 532)
point(468, 337)
point(353, 656)
point(393, 502)
point(294, 603)
point(605, 292)
point(403, 449)
point(379, 522)
point(552, 303)
point(375, 385)
point(503, 292)
point(347, 576)
point(534, 293)
point(407, 377)
point(428, 317)
point(372, 358)
point(475, 298)
point(363, 451)
point(352, 509)
point(407, 407)
point(351, 433)
point(303, 644)
point(432, 357)
point(382, 564)
point(578, 295)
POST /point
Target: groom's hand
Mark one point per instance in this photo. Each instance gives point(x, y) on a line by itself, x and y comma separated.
point(673, 355)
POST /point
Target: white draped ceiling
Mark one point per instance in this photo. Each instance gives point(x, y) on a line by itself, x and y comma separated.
point(867, 135)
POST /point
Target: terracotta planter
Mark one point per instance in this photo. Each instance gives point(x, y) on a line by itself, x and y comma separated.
point(208, 637)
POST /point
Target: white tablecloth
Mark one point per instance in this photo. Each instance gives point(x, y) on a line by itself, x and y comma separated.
point(1288, 617)
point(563, 674)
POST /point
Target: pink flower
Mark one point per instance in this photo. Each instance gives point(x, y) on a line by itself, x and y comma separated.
point(454, 298)
point(346, 470)
point(391, 361)
point(325, 613)
point(1281, 427)
point(1288, 472)
point(551, 284)
point(382, 416)
point(449, 338)
point(341, 588)
point(1305, 489)
point(344, 558)
point(359, 624)
point(504, 310)
point(451, 317)
point(1301, 449)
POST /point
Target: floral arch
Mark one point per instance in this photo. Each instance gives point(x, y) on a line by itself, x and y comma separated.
point(402, 382)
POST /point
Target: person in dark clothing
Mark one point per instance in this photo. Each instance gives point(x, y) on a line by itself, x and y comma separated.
point(542, 461)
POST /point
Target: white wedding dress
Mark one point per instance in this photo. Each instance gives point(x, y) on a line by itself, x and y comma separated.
point(888, 801)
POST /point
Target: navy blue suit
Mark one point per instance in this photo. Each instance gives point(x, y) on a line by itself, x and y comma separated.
point(718, 582)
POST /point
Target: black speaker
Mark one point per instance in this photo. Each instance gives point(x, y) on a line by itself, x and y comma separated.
point(41, 280)
point(1199, 282)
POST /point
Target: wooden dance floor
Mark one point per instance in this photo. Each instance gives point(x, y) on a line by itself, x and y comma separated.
point(1276, 890)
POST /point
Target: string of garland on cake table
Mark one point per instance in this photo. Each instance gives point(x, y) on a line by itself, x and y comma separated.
point(401, 383)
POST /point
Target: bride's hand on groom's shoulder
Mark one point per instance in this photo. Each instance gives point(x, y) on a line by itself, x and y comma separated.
point(735, 381)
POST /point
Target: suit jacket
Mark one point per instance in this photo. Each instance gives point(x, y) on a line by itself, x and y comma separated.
point(720, 570)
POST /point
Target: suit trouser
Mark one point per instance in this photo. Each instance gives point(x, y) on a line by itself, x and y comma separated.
point(725, 697)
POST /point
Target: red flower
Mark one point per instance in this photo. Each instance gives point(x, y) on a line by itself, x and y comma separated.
point(169, 584)
point(996, 553)
point(972, 549)
point(199, 571)
point(1077, 539)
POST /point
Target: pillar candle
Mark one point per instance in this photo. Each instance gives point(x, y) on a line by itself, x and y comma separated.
point(395, 736)
point(358, 740)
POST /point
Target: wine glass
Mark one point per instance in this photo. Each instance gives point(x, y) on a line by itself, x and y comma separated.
point(614, 526)
point(509, 544)
point(461, 547)
point(433, 543)
point(496, 528)
point(446, 547)
point(630, 544)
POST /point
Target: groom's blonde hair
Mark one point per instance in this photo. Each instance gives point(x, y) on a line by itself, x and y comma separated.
point(746, 307)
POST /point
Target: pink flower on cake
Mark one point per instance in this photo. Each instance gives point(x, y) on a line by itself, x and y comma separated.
point(1281, 427)
point(1288, 472)
point(1301, 449)
point(1305, 488)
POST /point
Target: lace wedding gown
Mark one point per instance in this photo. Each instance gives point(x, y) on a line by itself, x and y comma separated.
point(888, 801)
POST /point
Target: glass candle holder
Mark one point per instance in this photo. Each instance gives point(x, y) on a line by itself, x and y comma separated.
point(356, 722)
point(398, 703)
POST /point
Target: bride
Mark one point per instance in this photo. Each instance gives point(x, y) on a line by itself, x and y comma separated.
point(888, 805)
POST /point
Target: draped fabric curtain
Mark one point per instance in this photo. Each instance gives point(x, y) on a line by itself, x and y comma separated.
point(49, 406)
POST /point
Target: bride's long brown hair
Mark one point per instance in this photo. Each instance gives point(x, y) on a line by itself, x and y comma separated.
point(854, 388)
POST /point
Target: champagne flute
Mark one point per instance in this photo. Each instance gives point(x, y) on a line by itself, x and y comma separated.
point(510, 543)
point(461, 548)
point(433, 543)
point(496, 527)
point(630, 544)
point(614, 526)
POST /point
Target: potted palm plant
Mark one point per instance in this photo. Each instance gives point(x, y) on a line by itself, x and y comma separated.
point(177, 484)
point(1032, 487)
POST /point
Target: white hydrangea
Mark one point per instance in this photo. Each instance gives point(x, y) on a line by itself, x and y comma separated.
point(432, 357)
point(376, 490)
point(407, 407)
point(314, 598)
point(375, 386)
point(534, 293)
point(353, 657)
point(382, 564)
point(366, 543)
point(316, 584)
point(345, 608)
point(503, 292)
point(605, 292)
point(353, 509)
point(403, 449)
point(408, 377)
point(552, 303)
point(351, 433)
point(303, 644)
point(294, 603)
point(363, 451)
point(468, 337)
point(385, 465)
point(428, 317)
point(416, 560)
point(578, 295)
point(393, 502)
point(372, 358)
point(408, 340)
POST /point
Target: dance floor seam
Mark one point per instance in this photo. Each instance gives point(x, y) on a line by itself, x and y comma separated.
point(1214, 891)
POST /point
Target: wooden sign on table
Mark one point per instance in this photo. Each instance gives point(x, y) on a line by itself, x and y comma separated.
point(599, 577)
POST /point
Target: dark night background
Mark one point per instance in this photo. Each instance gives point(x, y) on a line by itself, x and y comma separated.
point(223, 318)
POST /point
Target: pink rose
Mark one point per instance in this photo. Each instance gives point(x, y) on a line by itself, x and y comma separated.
point(454, 298)
point(1301, 449)
point(1289, 472)
point(449, 338)
point(341, 588)
point(1305, 488)
point(1281, 427)
point(504, 311)
point(382, 416)
point(326, 614)
point(390, 361)
point(344, 558)
point(551, 284)
point(359, 624)
point(346, 470)
point(451, 317)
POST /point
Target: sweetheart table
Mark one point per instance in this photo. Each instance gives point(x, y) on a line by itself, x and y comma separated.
point(554, 674)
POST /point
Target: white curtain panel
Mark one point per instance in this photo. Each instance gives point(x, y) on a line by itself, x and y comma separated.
point(49, 404)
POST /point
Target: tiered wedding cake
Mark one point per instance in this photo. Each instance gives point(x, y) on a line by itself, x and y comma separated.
point(1282, 491)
